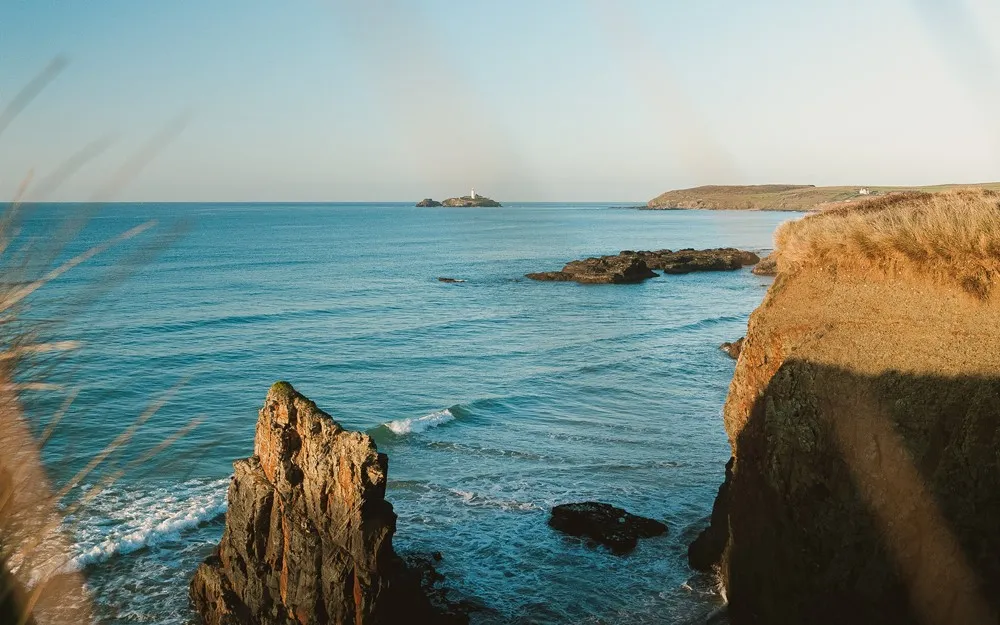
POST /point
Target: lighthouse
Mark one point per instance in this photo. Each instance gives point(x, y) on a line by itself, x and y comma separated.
point(473, 196)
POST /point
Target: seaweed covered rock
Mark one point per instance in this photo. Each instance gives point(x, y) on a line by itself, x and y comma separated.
point(604, 524)
point(308, 535)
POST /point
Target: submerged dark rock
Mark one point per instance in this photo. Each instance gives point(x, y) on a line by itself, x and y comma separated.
point(706, 550)
point(308, 535)
point(604, 270)
point(605, 524)
point(428, 203)
point(733, 349)
point(450, 280)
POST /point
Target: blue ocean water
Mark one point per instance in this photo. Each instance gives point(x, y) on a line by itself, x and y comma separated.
point(494, 398)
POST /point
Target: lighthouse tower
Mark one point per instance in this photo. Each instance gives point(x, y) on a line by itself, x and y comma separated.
point(473, 196)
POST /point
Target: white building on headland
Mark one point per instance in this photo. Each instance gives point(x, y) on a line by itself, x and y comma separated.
point(864, 191)
point(473, 196)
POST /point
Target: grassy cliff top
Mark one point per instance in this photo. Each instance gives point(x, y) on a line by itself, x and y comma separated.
point(781, 197)
point(951, 237)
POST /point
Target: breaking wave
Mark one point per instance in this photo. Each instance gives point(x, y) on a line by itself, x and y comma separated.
point(122, 522)
point(416, 425)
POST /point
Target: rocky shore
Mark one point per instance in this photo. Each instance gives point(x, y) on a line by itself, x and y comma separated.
point(628, 267)
point(864, 420)
point(308, 535)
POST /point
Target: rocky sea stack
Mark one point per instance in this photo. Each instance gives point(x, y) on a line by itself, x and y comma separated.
point(864, 419)
point(308, 535)
point(428, 203)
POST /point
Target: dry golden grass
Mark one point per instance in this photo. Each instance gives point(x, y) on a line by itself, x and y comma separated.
point(950, 238)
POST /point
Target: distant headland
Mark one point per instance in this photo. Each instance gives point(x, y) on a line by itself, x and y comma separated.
point(784, 197)
point(471, 200)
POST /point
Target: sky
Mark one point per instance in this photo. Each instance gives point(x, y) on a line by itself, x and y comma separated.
point(561, 100)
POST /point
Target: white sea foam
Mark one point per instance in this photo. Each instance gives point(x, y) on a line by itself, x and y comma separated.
point(120, 522)
point(416, 425)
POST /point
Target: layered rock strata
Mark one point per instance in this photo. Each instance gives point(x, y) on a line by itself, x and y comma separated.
point(308, 535)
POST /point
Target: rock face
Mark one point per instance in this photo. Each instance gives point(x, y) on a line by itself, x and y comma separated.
point(767, 266)
point(428, 203)
point(630, 267)
point(689, 260)
point(308, 535)
point(733, 349)
point(620, 269)
point(468, 202)
point(864, 418)
point(605, 524)
point(706, 550)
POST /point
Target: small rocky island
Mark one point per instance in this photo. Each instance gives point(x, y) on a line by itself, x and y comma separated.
point(630, 267)
point(473, 200)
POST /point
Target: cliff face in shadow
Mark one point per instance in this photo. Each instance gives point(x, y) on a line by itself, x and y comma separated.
point(308, 535)
point(864, 417)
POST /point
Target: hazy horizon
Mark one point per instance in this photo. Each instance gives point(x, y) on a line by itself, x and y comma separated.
point(566, 101)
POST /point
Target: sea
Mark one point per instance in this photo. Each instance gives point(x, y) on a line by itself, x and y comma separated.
point(495, 397)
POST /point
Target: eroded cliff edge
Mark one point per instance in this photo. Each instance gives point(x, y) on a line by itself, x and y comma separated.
point(308, 535)
point(864, 418)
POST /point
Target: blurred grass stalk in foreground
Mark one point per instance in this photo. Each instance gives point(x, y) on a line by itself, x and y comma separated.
point(37, 583)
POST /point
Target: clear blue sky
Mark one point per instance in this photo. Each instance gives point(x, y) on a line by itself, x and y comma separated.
point(525, 99)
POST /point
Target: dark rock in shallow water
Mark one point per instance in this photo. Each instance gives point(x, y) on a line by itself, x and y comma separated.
point(603, 270)
point(604, 524)
point(706, 550)
point(733, 349)
point(629, 267)
point(690, 260)
point(308, 536)
point(428, 203)
point(450, 280)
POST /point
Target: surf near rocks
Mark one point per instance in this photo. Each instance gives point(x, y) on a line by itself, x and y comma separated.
point(308, 535)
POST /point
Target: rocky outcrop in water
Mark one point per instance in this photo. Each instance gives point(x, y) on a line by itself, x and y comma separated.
point(471, 202)
point(690, 260)
point(864, 419)
point(308, 535)
point(620, 269)
point(428, 203)
point(628, 267)
point(604, 524)
point(767, 266)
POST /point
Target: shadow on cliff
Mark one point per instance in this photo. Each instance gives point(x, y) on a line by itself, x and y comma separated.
point(864, 499)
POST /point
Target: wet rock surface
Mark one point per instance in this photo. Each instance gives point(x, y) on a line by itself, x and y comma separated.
point(604, 524)
point(308, 536)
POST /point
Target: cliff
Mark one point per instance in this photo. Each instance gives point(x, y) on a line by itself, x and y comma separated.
point(781, 197)
point(308, 535)
point(864, 419)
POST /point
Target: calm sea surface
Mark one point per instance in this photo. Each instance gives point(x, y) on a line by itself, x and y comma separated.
point(495, 398)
